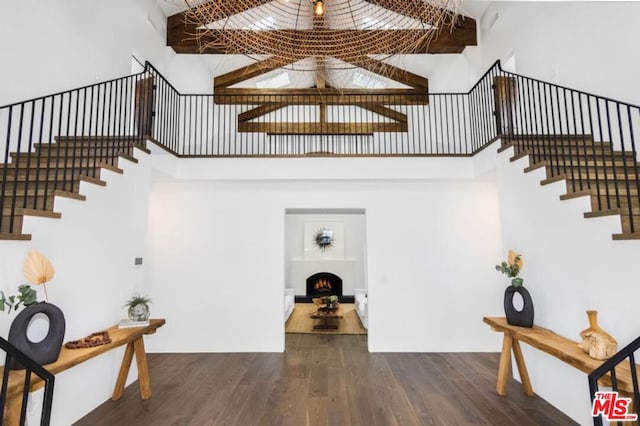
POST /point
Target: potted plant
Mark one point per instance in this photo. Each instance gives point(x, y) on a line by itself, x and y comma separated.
point(138, 308)
point(511, 268)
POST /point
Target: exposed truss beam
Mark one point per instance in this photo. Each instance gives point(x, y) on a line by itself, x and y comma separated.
point(316, 128)
point(269, 108)
point(314, 96)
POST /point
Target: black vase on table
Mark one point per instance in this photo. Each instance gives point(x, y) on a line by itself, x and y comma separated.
point(521, 318)
point(47, 350)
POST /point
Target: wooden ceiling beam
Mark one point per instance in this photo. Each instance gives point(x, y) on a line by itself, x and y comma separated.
point(314, 96)
point(385, 112)
point(269, 108)
point(250, 71)
point(312, 42)
point(259, 111)
point(317, 128)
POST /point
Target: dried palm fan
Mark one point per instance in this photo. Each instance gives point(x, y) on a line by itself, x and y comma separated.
point(38, 270)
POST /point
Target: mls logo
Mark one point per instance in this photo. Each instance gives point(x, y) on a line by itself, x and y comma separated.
point(612, 407)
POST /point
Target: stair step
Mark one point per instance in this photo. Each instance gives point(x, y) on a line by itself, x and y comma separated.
point(609, 174)
point(15, 236)
point(627, 236)
point(101, 139)
point(32, 212)
point(85, 151)
point(91, 143)
point(52, 163)
point(604, 201)
point(598, 162)
point(53, 156)
point(588, 180)
point(70, 184)
point(48, 174)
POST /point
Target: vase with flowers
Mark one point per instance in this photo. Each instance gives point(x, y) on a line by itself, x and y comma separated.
point(37, 271)
point(511, 268)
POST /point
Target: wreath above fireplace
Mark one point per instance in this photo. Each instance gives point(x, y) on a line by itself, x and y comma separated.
point(323, 239)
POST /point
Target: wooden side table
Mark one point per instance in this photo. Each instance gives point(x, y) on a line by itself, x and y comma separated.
point(132, 337)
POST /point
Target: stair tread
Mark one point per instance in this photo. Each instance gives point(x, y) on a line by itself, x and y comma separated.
point(16, 236)
point(20, 211)
point(627, 236)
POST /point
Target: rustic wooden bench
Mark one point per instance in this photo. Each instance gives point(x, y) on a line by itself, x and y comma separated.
point(547, 341)
point(132, 337)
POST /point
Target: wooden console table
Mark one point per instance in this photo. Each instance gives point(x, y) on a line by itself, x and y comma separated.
point(547, 341)
point(68, 358)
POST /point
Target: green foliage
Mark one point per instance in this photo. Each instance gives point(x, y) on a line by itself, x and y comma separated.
point(26, 296)
point(137, 300)
point(511, 271)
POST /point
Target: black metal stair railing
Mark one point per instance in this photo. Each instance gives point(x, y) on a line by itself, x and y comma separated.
point(46, 143)
point(608, 368)
point(590, 140)
point(30, 367)
point(587, 139)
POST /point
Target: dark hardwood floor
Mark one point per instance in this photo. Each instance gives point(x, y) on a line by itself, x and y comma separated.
point(325, 380)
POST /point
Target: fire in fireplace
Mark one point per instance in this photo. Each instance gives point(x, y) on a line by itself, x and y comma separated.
point(324, 284)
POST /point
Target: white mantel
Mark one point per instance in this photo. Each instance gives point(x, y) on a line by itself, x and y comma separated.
point(301, 269)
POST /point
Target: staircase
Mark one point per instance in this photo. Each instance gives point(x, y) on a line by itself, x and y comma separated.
point(52, 143)
point(32, 180)
point(609, 177)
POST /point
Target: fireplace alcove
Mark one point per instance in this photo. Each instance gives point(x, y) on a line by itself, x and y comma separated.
point(324, 284)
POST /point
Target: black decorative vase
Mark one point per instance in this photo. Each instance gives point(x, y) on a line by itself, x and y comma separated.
point(524, 317)
point(47, 350)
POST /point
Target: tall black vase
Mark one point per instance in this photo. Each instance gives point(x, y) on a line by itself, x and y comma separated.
point(47, 350)
point(524, 317)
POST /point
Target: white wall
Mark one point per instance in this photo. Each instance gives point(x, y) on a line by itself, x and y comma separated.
point(60, 45)
point(588, 46)
point(92, 249)
point(571, 265)
point(350, 268)
point(217, 256)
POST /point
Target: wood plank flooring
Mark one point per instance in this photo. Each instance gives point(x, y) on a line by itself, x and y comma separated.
point(325, 380)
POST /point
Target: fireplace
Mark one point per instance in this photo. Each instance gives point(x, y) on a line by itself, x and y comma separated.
point(324, 284)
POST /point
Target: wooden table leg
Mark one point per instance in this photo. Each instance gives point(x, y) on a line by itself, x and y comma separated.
point(124, 372)
point(504, 368)
point(12, 409)
point(522, 368)
point(143, 369)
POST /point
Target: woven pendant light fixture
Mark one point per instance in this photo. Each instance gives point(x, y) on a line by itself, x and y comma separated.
point(350, 32)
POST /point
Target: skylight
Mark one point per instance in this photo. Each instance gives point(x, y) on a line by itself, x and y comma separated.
point(277, 81)
point(369, 23)
point(367, 81)
point(264, 24)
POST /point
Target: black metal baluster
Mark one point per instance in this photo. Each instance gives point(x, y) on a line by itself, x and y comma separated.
point(27, 178)
point(625, 169)
point(41, 146)
point(566, 114)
